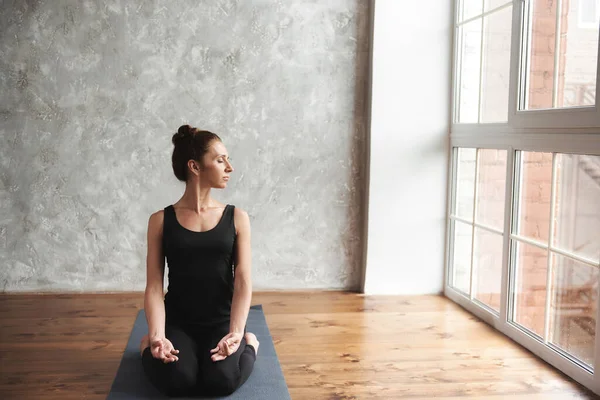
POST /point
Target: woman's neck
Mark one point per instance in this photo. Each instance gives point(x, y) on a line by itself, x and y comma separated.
point(196, 198)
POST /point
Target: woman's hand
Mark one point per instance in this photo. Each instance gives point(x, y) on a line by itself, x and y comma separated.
point(162, 349)
point(227, 346)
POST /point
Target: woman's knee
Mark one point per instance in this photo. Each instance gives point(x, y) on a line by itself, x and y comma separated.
point(224, 388)
point(180, 382)
point(222, 382)
point(173, 379)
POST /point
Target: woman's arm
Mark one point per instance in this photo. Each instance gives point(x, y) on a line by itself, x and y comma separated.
point(242, 287)
point(155, 269)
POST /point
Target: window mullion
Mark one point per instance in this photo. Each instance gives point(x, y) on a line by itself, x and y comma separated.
point(480, 70)
point(549, 269)
point(515, 59)
point(527, 30)
point(457, 74)
point(556, 54)
point(473, 226)
point(452, 189)
point(508, 193)
point(516, 204)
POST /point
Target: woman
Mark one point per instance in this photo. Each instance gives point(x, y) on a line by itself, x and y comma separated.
point(197, 341)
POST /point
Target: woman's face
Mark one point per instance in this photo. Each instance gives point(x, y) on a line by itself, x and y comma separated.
point(217, 166)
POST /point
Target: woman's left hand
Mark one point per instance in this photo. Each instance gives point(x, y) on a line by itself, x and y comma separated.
point(227, 346)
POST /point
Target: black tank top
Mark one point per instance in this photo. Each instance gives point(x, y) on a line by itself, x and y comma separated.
point(201, 271)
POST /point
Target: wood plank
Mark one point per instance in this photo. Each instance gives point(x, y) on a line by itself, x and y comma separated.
point(331, 345)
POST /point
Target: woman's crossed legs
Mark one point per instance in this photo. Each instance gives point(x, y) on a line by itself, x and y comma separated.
point(194, 372)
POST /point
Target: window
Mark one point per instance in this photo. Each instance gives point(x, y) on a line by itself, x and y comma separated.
point(553, 252)
point(484, 55)
point(477, 224)
point(556, 250)
point(523, 213)
point(560, 69)
point(522, 64)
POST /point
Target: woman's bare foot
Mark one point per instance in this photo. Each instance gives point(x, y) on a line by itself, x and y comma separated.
point(144, 343)
point(252, 340)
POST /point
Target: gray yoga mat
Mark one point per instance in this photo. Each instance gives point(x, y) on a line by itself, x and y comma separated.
point(265, 383)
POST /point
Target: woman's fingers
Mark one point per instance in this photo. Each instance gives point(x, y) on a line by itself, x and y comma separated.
point(224, 348)
point(164, 351)
point(219, 348)
point(221, 352)
point(218, 353)
point(168, 357)
point(169, 353)
point(172, 355)
point(227, 349)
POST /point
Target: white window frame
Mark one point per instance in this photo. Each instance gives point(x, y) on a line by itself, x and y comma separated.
point(573, 117)
point(581, 118)
point(501, 322)
point(568, 130)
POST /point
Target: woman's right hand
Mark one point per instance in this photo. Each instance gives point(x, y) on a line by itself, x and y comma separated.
point(162, 349)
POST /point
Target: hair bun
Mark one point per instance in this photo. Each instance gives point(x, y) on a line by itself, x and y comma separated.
point(183, 132)
point(184, 129)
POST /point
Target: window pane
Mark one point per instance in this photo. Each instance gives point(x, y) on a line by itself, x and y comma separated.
point(529, 296)
point(577, 219)
point(461, 267)
point(496, 66)
point(541, 54)
point(465, 191)
point(491, 4)
point(491, 185)
point(470, 69)
point(534, 195)
point(579, 56)
point(573, 312)
point(576, 55)
point(470, 9)
point(487, 267)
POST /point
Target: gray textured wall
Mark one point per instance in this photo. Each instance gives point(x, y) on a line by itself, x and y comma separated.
point(93, 90)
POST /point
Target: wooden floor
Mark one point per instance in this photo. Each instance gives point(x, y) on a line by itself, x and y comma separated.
point(331, 345)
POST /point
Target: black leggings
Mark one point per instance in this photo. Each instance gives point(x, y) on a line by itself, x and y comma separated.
point(195, 373)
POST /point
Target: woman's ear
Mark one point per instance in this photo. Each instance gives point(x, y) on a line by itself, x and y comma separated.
point(193, 166)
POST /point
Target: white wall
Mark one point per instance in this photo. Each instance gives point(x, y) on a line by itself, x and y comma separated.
point(410, 116)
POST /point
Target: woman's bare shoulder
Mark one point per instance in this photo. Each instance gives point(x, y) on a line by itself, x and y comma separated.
point(156, 218)
point(239, 212)
point(240, 219)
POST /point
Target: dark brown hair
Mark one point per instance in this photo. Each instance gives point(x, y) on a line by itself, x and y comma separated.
point(190, 144)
